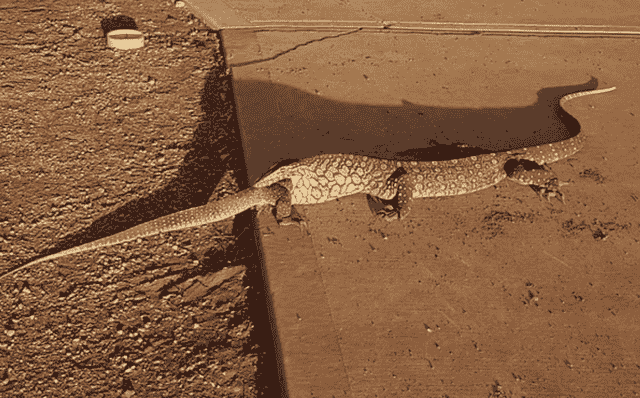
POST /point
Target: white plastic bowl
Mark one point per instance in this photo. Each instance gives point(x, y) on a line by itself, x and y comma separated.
point(125, 39)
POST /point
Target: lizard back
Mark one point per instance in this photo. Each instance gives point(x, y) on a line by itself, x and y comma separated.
point(327, 177)
point(455, 176)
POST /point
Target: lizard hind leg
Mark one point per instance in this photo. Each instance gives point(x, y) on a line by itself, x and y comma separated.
point(284, 212)
point(539, 177)
point(400, 206)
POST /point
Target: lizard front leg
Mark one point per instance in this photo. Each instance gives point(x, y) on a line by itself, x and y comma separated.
point(539, 177)
point(401, 204)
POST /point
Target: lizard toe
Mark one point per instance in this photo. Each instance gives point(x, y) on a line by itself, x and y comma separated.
point(294, 218)
point(389, 213)
point(550, 189)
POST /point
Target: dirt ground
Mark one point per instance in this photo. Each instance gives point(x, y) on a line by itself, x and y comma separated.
point(94, 141)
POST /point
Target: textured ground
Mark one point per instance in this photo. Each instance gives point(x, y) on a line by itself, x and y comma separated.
point(94, 141)
point(491, 294)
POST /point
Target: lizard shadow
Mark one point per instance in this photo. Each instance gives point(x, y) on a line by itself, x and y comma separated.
point(288, 121)
point(311, 125)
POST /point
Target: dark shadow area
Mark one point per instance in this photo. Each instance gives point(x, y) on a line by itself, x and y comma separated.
point(265, 341)
point(291, 123)
point(117, 22)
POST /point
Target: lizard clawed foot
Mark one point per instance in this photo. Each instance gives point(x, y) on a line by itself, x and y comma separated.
point(389, 213)
point(551, 189)
point(538, 176)
point(295, 218)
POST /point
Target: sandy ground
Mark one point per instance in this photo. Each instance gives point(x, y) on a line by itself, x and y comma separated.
point(95, 141)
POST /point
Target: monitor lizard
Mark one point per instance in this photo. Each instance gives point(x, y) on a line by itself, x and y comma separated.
point(327, 177)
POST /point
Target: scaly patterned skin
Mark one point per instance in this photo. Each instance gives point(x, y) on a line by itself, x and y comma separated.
point(327, 177)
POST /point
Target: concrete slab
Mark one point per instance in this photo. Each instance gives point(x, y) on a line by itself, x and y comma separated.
point(271, 13)
point(484, 294)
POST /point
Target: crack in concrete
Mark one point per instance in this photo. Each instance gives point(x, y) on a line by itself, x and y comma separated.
point(294, 48)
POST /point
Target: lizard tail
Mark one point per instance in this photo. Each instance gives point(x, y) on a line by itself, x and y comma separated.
point(193, 217)
point(569, 147)
point(549, 153)
point(569, 97)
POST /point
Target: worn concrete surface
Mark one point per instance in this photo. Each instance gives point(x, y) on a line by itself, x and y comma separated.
point(246, 13)
point(496, 293)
